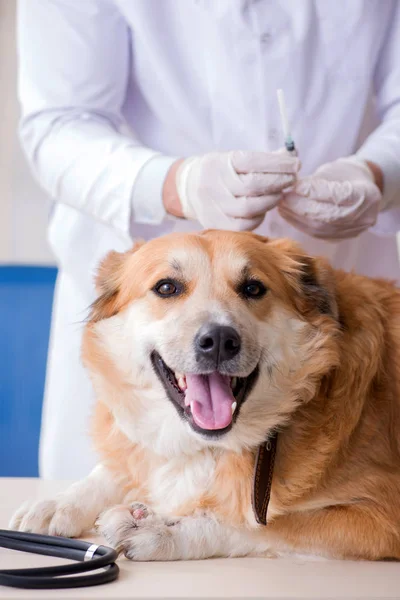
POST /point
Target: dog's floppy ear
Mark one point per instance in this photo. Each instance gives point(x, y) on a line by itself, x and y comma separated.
point(311, 279)
point(107, 282)
point(317, 287)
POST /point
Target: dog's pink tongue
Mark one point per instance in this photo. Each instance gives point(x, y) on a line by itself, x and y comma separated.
point(211, 399)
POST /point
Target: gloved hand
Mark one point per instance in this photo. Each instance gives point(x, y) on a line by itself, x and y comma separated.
point(234, 190)
point(339, 201)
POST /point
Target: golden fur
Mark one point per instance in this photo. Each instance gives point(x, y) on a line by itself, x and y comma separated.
point(336, 484)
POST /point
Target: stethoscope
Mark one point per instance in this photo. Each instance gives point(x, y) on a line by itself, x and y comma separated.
point(91, 557)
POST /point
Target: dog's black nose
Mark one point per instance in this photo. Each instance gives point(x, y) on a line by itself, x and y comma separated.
point(217, 343)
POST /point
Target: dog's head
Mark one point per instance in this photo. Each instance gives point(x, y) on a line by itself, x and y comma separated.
point(210, 339)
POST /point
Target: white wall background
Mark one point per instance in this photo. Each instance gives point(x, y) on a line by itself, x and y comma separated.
point(23, 206)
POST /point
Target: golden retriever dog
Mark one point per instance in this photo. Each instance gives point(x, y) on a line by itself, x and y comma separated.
point(204, 347)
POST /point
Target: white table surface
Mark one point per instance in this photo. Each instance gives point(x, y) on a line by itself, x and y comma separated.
point(215, 578)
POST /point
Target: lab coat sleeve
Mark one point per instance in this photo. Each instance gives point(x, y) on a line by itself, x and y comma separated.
point(383, 145)
point(74, 59)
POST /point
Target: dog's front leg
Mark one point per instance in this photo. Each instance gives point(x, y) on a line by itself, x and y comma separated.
point(143, 535)
point(74, 511)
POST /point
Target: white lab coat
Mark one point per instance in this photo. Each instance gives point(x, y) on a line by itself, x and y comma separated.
point(113, 90)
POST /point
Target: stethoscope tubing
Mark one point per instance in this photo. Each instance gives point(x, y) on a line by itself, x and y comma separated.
point(58, 576)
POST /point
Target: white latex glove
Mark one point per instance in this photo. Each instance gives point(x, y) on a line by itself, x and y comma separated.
point(234, 190)
point(339, 201)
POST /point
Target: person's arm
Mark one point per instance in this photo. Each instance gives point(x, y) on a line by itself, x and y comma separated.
point(382, 147)
point(171, 200)
point(74, 65)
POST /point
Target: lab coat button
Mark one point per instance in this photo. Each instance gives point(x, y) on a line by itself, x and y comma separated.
point(272, 134)
point(266, 37)
point(275, 229)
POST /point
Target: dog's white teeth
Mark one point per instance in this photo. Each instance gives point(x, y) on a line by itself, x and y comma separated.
point(233, 382)
point(187, 401)
point(234, 407)
point(182, 382)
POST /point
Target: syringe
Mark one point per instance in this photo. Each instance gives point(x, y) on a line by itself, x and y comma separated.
point(289, 143)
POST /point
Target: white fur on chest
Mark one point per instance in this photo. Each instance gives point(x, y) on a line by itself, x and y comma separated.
point(181, 480)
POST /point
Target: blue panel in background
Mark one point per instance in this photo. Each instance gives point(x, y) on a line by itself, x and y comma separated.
point(26, 295)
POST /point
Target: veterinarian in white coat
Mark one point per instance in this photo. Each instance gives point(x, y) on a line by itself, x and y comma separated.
point(113, 92)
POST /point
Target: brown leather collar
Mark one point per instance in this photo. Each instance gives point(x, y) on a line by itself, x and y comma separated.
point(262, 482)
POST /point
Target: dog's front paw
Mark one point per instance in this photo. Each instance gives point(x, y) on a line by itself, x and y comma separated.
point(52, 517)
point(139, 533)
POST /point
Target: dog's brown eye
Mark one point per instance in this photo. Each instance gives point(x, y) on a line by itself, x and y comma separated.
point(253, 289)
point(167, 288)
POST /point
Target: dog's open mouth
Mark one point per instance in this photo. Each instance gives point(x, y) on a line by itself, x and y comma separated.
point(211, 402)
